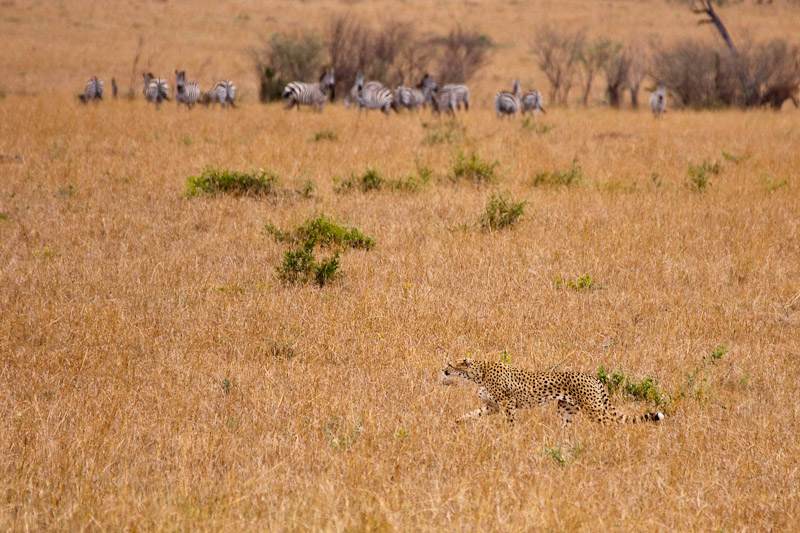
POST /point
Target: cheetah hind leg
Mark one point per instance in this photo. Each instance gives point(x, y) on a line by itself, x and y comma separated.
point(566, 410)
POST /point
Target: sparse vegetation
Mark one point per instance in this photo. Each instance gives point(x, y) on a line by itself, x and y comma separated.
point(501, 212)
point(700, 175)
point(327, 134)
point(583, 283)
point(215, 181)
point(569, 177)
point(473, 168)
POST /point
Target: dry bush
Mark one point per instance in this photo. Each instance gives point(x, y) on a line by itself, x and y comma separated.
point(393, 52)
point(703, 75)
point(286, 58)
point(593, 58)
point(559, 56)
point(460, 54)
point(617, 70)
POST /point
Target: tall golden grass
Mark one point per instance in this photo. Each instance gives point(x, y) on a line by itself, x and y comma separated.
point(156, 375)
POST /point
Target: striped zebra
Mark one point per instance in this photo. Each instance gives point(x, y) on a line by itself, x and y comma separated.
point(352, 97)
point(373, 96)
point(186, 92)
point(155, 89)
point(93, 91)
point(223, 92)
point(298, 93)
point(451, 97)
point(532, 103)
point(658, 101)
point(506, 103)
point(416, 97)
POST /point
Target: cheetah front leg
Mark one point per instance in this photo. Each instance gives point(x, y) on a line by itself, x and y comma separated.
point(489, 408)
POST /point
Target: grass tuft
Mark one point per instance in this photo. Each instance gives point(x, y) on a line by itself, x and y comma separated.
point(501, 212)
point(214, 181)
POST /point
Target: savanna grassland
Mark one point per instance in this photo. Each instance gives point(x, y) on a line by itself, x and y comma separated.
point(157, 374)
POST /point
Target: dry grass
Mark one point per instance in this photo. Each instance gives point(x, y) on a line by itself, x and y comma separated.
point(155, 374)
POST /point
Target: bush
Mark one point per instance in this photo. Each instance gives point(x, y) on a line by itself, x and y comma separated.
point(559, 54)
point(569, 177)
point(322, 230)
point(460, 54)
point(286, 58)
point(473, 168)
point(214, 181)
point(501, 212)
point(703, 75)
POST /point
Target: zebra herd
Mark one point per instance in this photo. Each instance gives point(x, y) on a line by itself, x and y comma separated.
point(375, 95)
point(364, 94)
point(156, 90)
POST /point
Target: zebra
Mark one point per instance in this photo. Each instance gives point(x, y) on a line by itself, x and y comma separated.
point(186, 92)
point(373, 96)
point(506, 103)
point(114, 88)
point(155, 89)
point(93, 91)
point(451, 97)
point(352, 96)
point(298, 93)
point(658, 101)
point(224, 92)
point(532, 103)
point(414, 97)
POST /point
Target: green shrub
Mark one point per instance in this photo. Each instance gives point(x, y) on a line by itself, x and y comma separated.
point(699, 175)
point(501, 212)
point(299, 262)
point(643, 390)
point(215, 181)
point(473, 168)
point(371, 180)
point(570, 177)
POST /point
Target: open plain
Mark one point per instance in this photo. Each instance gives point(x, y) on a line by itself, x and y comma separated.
point(156, 374)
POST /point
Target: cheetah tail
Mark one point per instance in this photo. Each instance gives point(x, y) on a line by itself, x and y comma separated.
point(647, 417)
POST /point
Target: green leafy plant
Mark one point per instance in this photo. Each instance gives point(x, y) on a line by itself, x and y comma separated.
point(735, 158)
point(300, 264)
point(401, 433)
point(504, 357)
point(501, 212)
point(473, 168)
point(215, 181)
point(700, 175)
point(567, 177)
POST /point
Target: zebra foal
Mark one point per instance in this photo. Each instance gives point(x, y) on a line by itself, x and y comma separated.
point(93, 91)
point(186, 92)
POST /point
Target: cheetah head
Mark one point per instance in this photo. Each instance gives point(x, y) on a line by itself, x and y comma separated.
point(462, 368)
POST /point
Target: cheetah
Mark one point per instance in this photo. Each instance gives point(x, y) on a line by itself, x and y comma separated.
point(501, 386)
